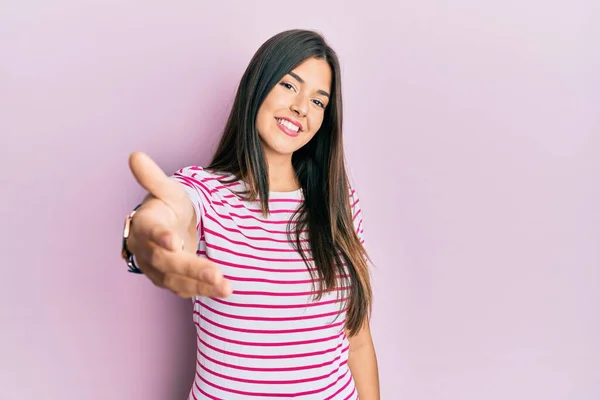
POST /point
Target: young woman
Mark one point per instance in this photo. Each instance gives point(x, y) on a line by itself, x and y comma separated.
point(267, 239)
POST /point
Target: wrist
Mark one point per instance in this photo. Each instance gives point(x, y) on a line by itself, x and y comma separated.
point(126, 254)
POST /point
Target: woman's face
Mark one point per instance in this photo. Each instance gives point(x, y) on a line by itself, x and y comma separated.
point(293, 111)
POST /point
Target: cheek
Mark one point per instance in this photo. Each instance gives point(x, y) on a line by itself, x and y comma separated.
point(314, 122)
point(263, 119)
point(314, 125)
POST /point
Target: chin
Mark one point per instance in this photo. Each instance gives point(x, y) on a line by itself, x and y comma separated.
point(285, 152)
point(284, 145)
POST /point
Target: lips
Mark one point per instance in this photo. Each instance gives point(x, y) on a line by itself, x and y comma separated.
point(289, 127)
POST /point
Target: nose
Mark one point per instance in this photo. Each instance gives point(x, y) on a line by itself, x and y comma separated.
point(300, 105)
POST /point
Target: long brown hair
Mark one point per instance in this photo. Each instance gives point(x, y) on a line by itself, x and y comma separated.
point(319, 166)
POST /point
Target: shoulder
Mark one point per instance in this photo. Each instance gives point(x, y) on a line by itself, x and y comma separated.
point(195, 172)
point(201, 178)
point(207, 183)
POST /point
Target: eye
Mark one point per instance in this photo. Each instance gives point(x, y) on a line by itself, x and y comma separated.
point(319, 103)
point(288, 86)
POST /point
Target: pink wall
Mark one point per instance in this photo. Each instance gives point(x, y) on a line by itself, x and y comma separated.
point(473, 134)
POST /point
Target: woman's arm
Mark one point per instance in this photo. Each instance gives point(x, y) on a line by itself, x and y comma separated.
point(363, 364)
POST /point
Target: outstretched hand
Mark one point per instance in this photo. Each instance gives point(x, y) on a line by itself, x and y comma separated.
point(163, 236)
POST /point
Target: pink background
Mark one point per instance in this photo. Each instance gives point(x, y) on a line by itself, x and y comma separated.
point(472, 133)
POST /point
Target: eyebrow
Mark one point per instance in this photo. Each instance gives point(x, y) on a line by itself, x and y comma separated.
point(324, 93)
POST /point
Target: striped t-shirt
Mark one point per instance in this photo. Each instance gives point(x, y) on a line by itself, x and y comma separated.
point(270, 339)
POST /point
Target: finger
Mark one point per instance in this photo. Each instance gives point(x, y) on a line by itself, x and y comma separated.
point(155, 276)
point(185, 264)
point(189, 275)
point(152, 178)
point(186, 287)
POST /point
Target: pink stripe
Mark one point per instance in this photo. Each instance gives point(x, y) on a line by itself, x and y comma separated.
point(253, 237)
point(273, 394)
point(279, 369)
point(187, 181)
point(217, 234)
point(239, 254)
point(273, 281)
point(196, 184)
point(272, 382)
point(227, 187)
point(262, 221)
point(254, 210)
point(286, 200)
point(229, 196)
point(358, 228)
point(351, 394)
point(267, 331)
point(269, 344)
point(251, 227)
point(268, 319)
point(260, 228)
point(199, 224)
point(211, 397)
point(231, 184)
point(277, 282)
point(272, 357)
point(332, 397)
point(184, 182)
point(278, 306)
point(201, 193)
point(208, 192)
point(250, 267)
point(284, 294)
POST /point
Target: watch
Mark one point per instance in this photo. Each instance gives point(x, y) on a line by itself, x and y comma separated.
point(125, 253)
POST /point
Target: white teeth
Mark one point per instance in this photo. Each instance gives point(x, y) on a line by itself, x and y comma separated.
point(287, 124)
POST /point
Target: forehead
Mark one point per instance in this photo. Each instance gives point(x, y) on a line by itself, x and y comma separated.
point(315, 73)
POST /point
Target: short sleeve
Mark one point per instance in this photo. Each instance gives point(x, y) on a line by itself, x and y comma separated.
point(192, 179)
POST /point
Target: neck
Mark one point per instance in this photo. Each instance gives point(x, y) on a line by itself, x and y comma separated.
point(282, 177)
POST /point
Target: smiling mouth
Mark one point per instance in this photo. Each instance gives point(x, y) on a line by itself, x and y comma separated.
point(287, 127)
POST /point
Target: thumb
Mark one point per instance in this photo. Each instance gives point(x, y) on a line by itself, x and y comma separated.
point(152, 178)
